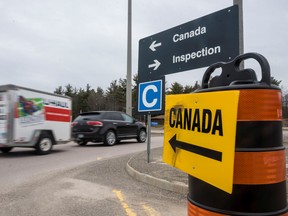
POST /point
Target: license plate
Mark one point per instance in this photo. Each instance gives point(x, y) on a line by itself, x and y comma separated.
point(80, 135)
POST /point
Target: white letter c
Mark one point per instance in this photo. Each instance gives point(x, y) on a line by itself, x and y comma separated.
point(145, 102)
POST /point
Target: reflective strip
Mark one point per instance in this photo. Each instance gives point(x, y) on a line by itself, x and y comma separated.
point(259, 105)
point(196, 211)
point(252, 168)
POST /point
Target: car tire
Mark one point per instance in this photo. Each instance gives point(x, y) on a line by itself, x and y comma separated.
point(6, 149)
point(142, 136)
point(110, 138)
point(81, 143)
point(44, 144)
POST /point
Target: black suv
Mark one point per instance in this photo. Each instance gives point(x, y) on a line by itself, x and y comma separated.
point(106, 126)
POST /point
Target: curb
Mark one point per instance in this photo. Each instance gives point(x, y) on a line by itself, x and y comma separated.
point(177, 187)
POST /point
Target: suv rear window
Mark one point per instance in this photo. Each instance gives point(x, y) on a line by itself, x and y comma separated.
point(112, 116)
point(88, 116)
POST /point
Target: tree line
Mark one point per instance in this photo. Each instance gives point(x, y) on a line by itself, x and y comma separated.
point(114, 97)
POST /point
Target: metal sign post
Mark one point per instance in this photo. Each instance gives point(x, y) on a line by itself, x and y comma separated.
point(151, 99)
point(149, 138)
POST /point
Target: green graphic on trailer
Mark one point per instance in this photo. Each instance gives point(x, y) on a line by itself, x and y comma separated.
point(30, 110)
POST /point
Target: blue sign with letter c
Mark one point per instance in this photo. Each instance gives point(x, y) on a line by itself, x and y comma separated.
point(150, 96)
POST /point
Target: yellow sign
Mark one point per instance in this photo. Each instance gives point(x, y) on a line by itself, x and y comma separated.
point(199, 135)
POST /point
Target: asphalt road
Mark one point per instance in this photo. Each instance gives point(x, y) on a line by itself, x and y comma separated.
point(101, 187)
point(21, 164)
point(76, 180)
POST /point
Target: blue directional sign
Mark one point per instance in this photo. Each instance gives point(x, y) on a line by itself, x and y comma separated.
point(150, 96)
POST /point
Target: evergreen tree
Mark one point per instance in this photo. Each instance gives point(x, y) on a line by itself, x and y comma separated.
point(59, 91)
point(275, 81)
point(96, 100)
point(176, 88)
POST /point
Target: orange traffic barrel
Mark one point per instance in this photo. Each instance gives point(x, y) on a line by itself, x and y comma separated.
point(259, 181)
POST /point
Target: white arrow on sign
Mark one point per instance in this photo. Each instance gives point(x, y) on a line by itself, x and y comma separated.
point(155, 65)
point(154, 45)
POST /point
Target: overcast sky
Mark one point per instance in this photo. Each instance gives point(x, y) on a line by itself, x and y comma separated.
point(46, 44)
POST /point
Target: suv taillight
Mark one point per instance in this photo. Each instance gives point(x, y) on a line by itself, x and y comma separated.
point(74, 124)
point(94, 123)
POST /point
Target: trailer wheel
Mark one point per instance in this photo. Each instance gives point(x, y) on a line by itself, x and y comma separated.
point(6, 149)
point(44, 144)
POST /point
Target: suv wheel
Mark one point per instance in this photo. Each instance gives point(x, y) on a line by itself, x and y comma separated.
point(6, 149)
point(81, 143)
point(110, 138)
point(142, 136)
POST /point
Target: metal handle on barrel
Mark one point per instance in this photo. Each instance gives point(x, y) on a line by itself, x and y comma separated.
point(232, 74)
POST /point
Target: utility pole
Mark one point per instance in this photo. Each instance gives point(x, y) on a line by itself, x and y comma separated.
point(129, 64)
point(241, 34)
point(241, 31)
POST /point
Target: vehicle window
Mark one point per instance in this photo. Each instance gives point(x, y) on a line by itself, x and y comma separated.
point(87, 117)
point(95, 117)
point(107, 116)
point(112, 116)
point(127, 118)
point(117, 116)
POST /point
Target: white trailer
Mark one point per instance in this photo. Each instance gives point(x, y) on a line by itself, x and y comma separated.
point(32, 118)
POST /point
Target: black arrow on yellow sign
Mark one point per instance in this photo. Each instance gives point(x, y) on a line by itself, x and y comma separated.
point(210, 153)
